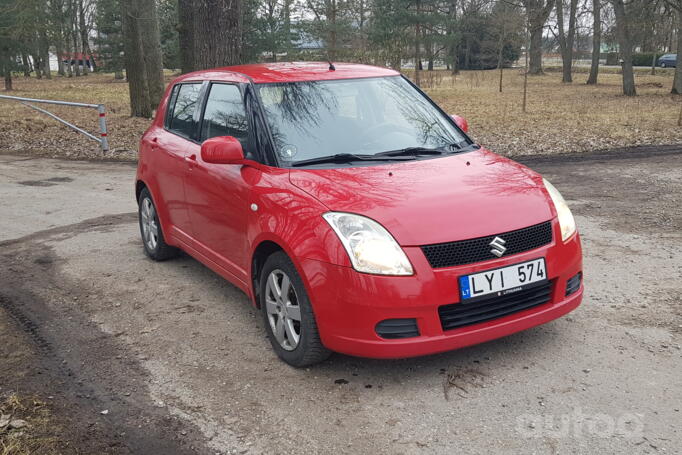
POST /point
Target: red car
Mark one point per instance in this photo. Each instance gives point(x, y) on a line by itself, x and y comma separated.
point(355, 213)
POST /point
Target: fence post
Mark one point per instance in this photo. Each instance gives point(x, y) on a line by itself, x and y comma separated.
point(103, 128)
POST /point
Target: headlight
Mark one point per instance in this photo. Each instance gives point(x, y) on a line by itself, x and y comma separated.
point(370, 247)
point(566, 221)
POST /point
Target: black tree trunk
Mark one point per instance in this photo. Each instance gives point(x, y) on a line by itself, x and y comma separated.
point(625, 48)
point(596, 42)
point(217, 33)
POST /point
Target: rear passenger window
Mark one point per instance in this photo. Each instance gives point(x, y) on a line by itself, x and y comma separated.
point(182, 116)
point(225, 114)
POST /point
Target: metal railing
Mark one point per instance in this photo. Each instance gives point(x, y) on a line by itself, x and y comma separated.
point(102, 139)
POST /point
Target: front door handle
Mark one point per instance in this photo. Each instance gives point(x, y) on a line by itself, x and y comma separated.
point(191, 160)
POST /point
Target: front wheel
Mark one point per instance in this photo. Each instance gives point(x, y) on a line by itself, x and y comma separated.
point(663, 65)
point(287, 314)
point(155, 245)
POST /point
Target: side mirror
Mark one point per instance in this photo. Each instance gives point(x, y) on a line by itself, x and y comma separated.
point(222, 150)
point(461, 122)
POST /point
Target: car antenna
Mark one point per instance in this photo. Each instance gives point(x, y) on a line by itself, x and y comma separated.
point(331, 66)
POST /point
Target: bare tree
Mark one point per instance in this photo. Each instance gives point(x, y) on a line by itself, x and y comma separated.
point(453, 35)
point(677, 80)
point(151, 47)
point(6, 66)
point(500, 55)
point(186, 34)
point(625, 44)
point(85, 28)
point(525, 74)
point(417, 45)
point(566, 38)
point(501, 16)
point(74, 36)
point(538, 12)
point(142, 55)
point(596, 41)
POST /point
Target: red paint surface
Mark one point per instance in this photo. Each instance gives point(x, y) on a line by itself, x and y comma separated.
point(205, 209)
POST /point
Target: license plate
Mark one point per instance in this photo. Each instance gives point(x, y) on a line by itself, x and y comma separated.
point(502, 281)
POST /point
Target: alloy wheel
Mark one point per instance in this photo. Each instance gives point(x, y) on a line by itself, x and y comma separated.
point(150, 228)
point(283, 310)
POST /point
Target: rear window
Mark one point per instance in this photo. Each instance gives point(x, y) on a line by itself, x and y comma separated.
point(181, 118)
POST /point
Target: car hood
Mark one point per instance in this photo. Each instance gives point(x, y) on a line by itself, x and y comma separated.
point(445, 199)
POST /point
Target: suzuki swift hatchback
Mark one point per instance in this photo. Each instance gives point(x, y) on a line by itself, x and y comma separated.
point(355, 213)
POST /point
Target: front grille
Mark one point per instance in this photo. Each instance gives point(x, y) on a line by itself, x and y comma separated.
point(397, 328)
point(462, 314)
point(573, 284)
point(476, 250)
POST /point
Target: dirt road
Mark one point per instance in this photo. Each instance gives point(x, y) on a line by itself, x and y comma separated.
point(179, 360)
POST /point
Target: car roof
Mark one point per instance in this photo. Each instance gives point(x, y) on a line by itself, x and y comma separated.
point(262, 73)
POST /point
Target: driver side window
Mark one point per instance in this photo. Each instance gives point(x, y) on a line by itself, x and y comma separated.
point(225, 114)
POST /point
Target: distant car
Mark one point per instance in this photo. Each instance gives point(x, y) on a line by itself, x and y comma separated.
point(355, 213)
point(667, 61)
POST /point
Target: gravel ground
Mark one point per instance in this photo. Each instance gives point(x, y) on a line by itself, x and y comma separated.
point(180, 362)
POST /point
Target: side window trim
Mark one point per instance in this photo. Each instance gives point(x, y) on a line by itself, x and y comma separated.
point(268, 154)
point(199, 112)
point(253, 134)
point(258, 134)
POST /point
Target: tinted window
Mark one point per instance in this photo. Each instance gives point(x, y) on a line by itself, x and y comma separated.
point(182, 116)
point(225, 114)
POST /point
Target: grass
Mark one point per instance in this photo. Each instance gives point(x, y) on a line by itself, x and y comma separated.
point(38, 437)
point(560, 118)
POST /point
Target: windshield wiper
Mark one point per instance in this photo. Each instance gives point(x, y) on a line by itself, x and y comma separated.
point(345, 158)
point(413, 151)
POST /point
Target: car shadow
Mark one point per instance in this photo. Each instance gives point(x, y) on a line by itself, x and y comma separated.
point(517, 350)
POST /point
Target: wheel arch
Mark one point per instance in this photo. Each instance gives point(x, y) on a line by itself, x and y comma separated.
point(260, 254)
point(139, 186)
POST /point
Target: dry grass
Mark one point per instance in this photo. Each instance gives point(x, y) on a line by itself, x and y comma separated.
point(38, 437)
point(23, 130)
point(560, 118)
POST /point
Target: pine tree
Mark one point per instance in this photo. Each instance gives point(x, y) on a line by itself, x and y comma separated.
point(109, 40)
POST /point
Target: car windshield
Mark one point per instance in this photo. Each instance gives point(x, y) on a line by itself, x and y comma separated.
point(362, 117)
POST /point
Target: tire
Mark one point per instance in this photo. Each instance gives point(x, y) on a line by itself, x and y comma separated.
point(663, 65)
point(154, 242)
point(281, 307)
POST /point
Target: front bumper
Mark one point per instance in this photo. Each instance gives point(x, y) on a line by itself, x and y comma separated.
point(348, 305)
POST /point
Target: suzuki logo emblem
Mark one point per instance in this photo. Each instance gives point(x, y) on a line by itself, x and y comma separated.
point(498, 246)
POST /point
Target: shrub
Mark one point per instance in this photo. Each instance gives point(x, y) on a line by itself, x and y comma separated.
point(644, 58)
